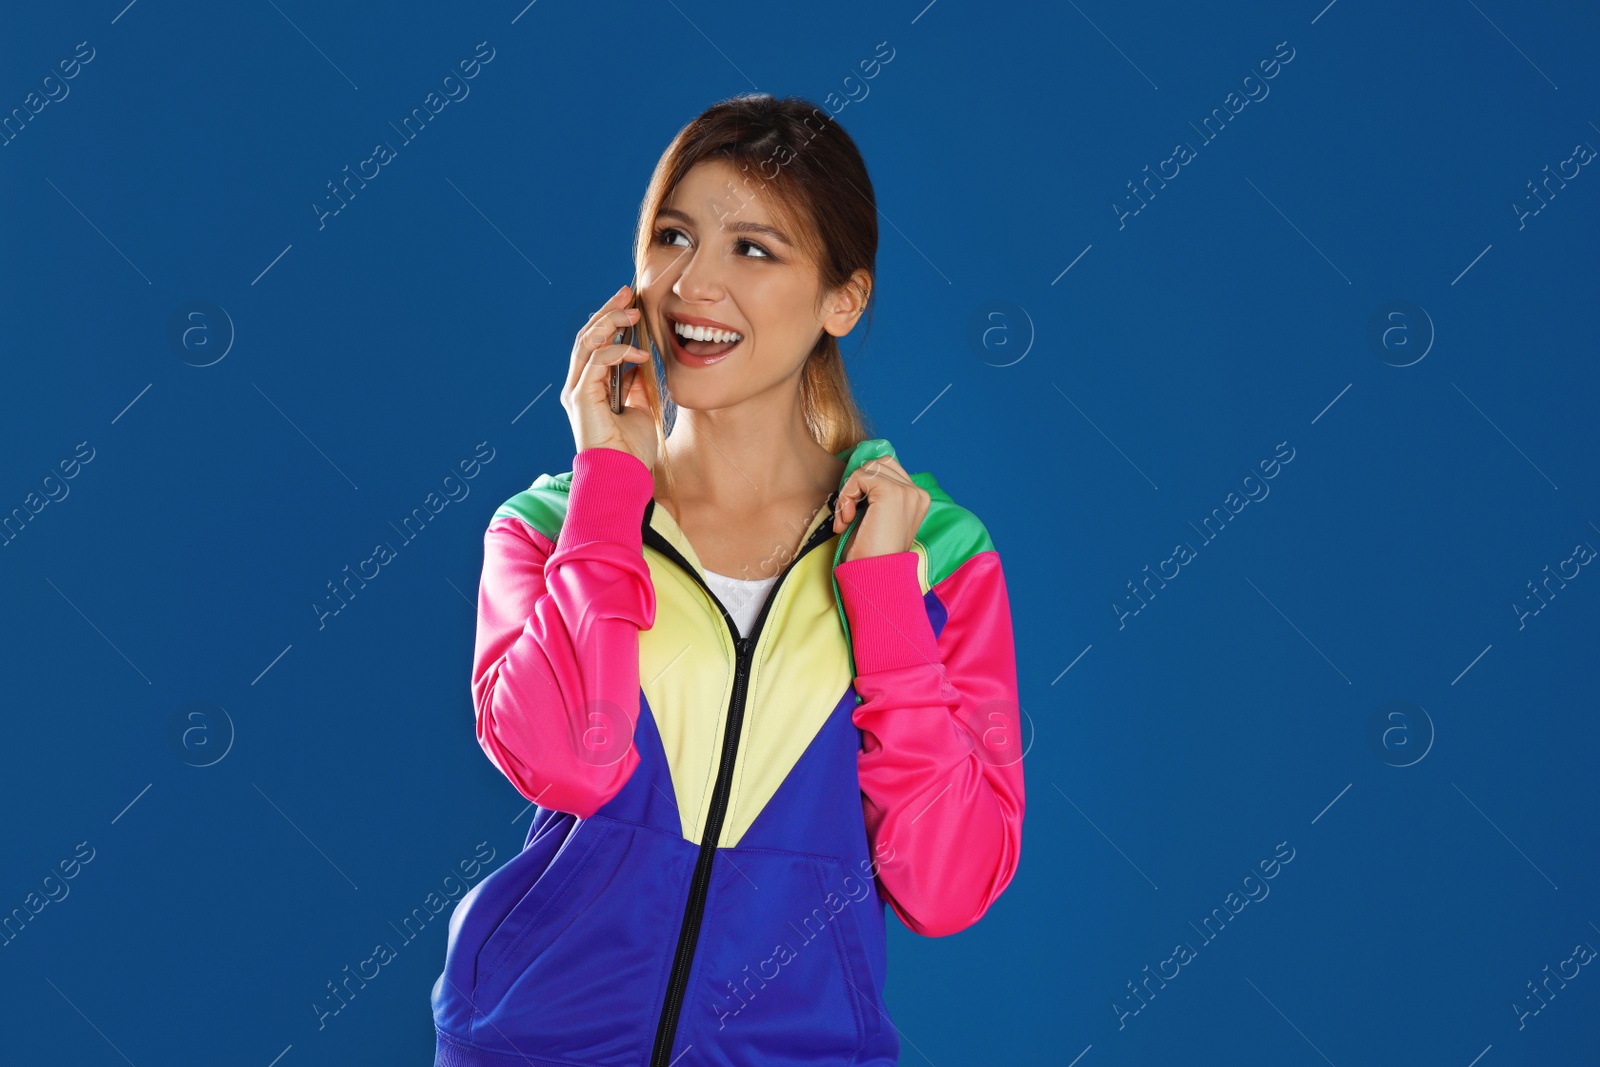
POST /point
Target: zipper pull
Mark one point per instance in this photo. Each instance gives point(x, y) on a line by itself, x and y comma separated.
point(744, 645)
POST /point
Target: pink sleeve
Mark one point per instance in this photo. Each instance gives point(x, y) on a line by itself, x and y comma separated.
point(940, 765)
point(555, 669)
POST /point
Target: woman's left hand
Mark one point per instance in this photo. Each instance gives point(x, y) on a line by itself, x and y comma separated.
point(898, 507)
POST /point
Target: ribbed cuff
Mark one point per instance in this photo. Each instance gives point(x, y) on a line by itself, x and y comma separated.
point(606, 502)
point(889, 625)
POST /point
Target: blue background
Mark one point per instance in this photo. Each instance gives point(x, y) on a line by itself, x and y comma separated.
point(1088, 415)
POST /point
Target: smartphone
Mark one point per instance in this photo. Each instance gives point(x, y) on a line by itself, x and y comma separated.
point(628, 335)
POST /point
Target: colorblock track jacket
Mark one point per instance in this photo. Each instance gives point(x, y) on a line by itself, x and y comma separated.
point(721, 820)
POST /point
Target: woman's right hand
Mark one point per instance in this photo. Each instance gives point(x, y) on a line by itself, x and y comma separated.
point(587, 394)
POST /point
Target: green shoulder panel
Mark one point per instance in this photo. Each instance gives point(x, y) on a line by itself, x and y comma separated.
point(949, 535)
point(949, 532)
point(543, 505)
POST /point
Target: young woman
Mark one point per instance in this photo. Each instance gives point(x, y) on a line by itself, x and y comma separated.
point(757, 679)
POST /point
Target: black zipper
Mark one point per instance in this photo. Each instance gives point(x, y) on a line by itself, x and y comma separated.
point(694, 908)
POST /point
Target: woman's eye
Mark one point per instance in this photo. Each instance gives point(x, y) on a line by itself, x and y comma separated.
point(671, 235)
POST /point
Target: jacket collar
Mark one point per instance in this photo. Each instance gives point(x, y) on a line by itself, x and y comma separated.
point(870, 449)
point(661, 522)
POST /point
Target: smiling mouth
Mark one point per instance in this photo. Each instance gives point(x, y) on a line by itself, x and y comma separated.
point(701, 343)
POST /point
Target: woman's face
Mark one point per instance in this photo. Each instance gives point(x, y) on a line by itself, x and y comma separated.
point(719, 258)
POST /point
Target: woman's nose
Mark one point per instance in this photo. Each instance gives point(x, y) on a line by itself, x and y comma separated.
point(698, 280)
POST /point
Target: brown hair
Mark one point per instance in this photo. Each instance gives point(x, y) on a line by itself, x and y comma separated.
point(797, 154)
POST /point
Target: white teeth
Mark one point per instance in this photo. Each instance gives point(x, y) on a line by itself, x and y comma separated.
point(704, 333)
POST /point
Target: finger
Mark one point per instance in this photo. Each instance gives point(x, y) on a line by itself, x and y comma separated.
point(889, 468)
point(602, 359)
point(617, 318)
point(848, 508)
point(636, 393)
point(588, 347)
point(618, 301)
point(845, 492)
point(605, 357)
point(604, 330)
point(592, 386)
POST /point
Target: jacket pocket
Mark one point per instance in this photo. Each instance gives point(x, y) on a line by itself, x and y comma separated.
point(481, 914)
point(530, 918)
point(862, 940)
point(575, 970)
point(780, 973)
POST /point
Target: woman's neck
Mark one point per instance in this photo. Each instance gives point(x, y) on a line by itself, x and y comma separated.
point(734, 460)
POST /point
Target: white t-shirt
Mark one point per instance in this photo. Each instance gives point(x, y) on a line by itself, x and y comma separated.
point(743, 597)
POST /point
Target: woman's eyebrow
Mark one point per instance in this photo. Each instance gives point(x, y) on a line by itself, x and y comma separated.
point(737, 227)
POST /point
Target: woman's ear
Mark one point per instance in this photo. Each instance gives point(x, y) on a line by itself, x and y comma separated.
point(846, 303)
